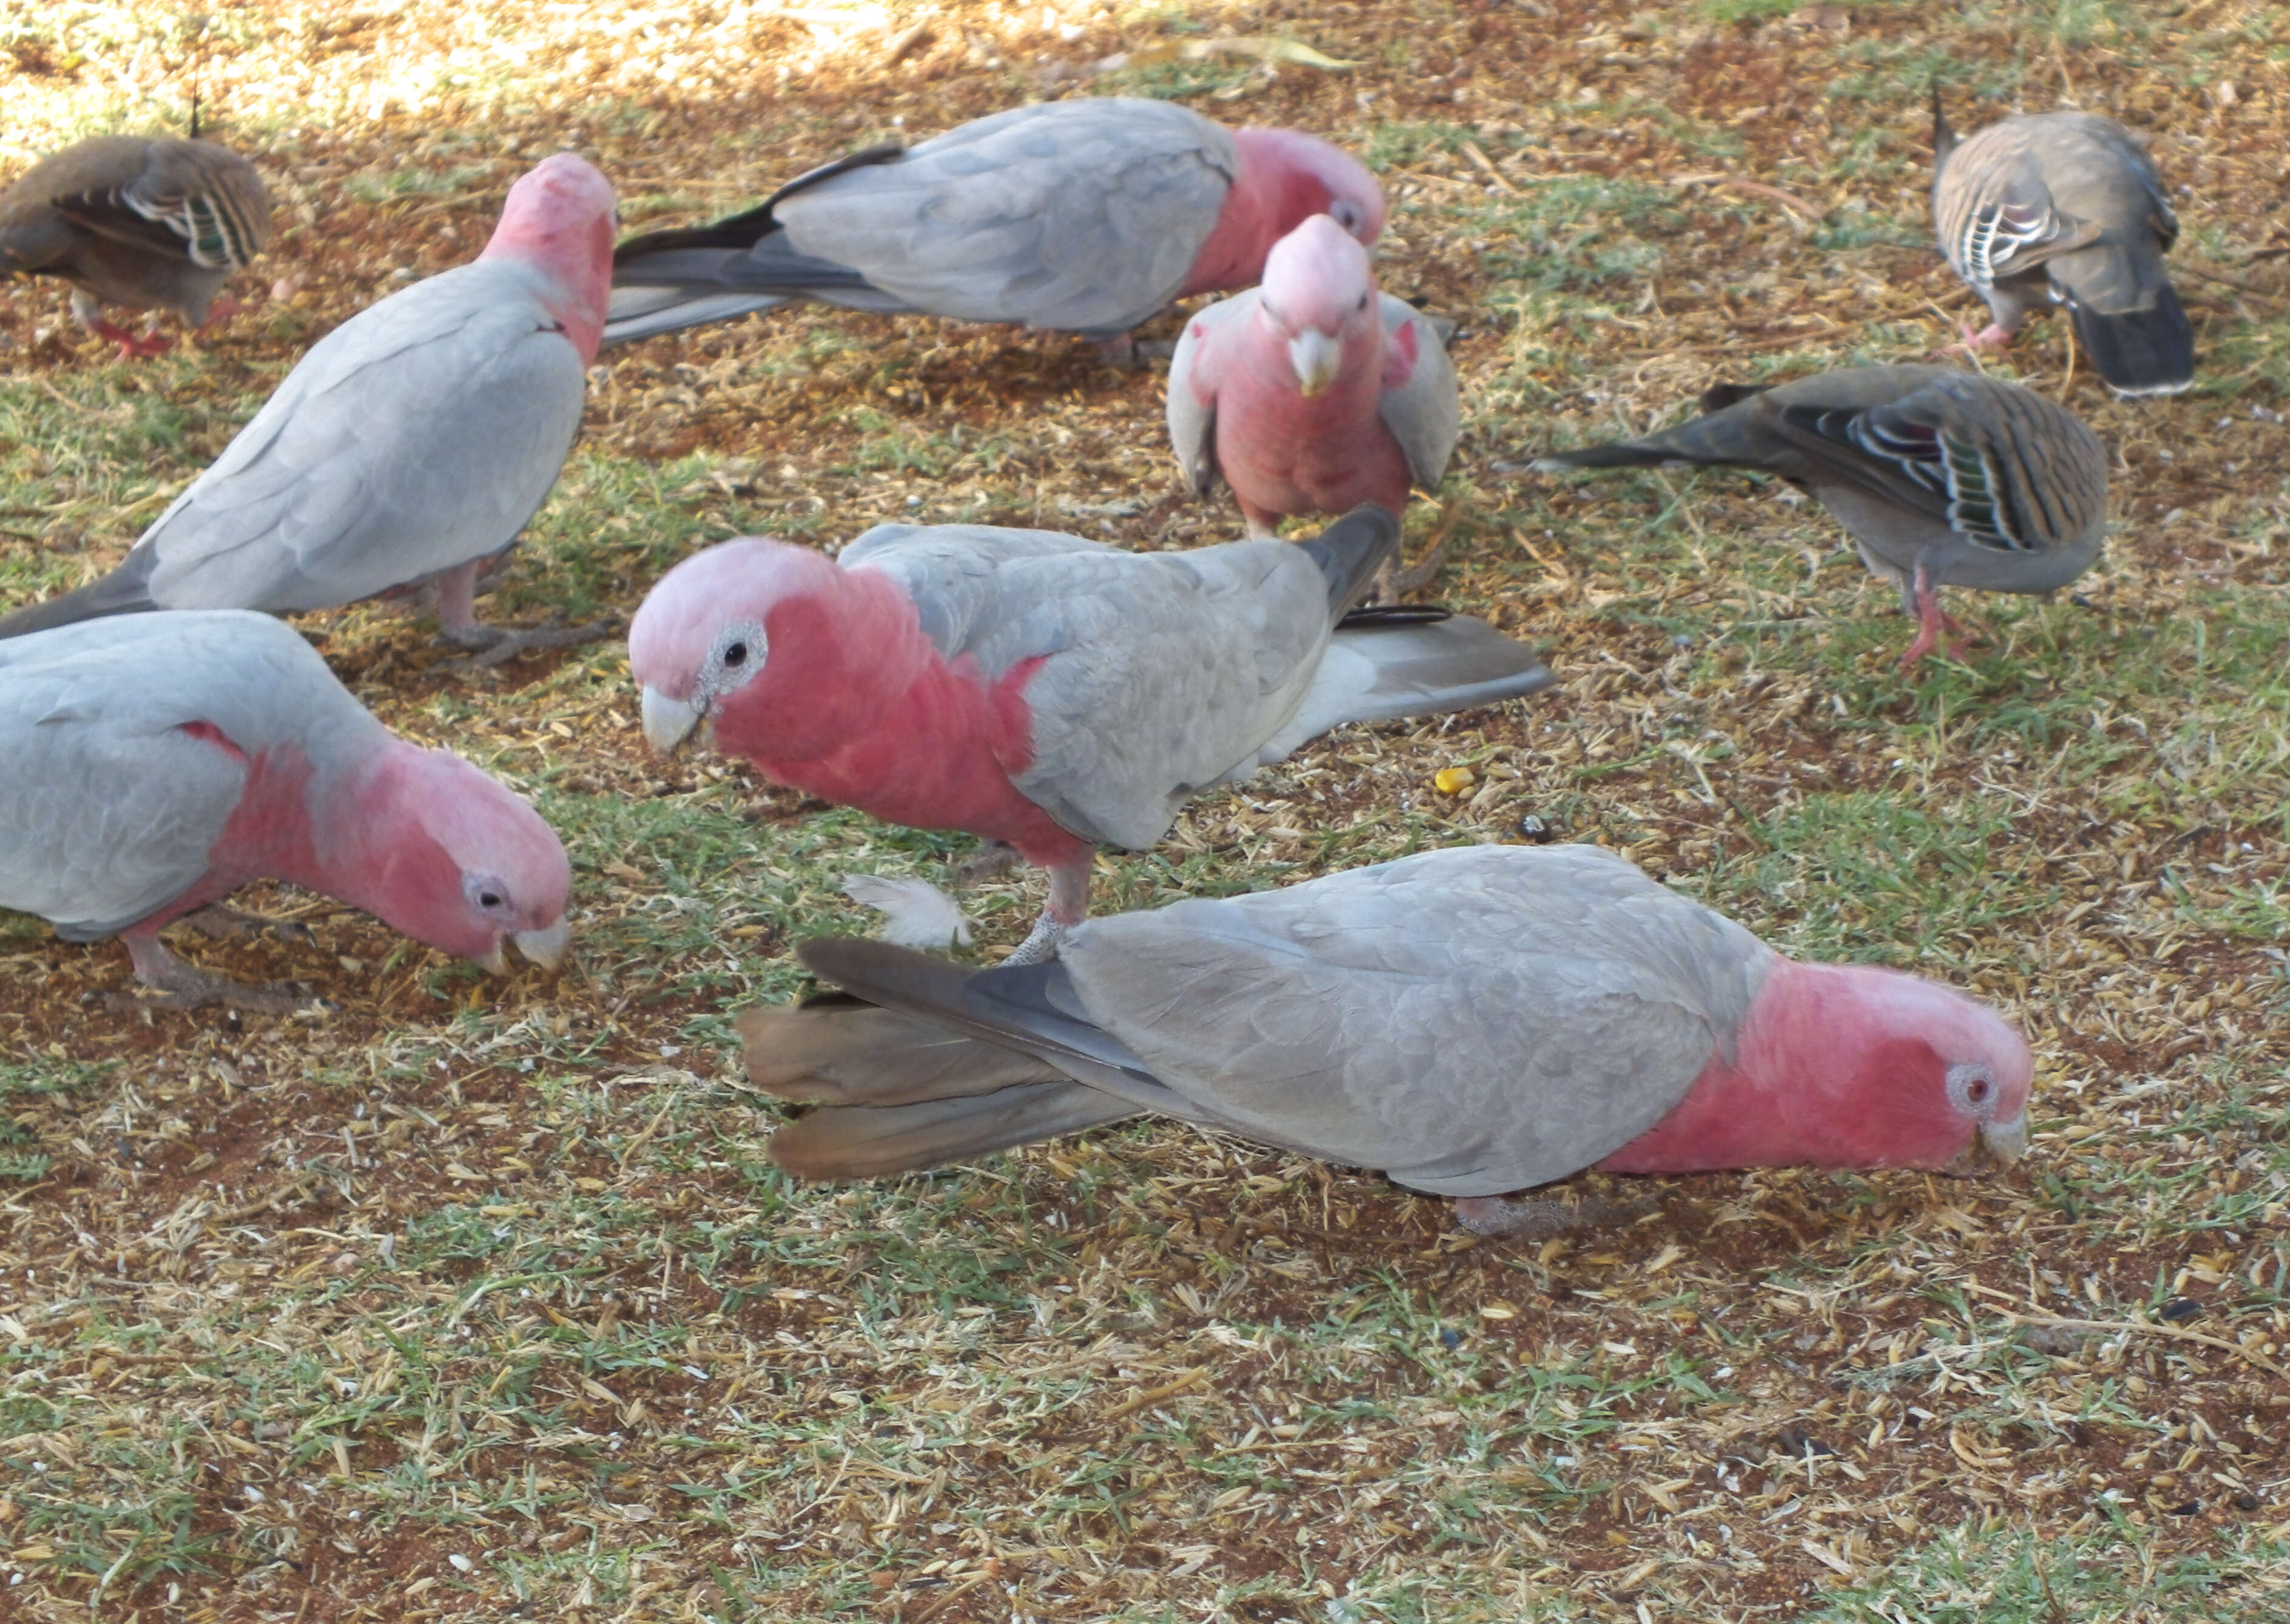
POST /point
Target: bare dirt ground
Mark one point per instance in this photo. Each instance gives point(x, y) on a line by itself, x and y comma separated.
point(455, 1298)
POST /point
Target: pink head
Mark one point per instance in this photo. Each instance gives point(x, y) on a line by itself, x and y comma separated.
point(1850, 1066)
point(1294, 176)
point(1318, 296)
point(775, 643)
point(560, 219)
point(452, 857)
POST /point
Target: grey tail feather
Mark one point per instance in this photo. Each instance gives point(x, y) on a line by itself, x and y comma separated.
point(643, 313)
point(905, 1091)
point(1351, 550)
point(1426, 669)
point(1943, 138)
point(873, 1141)
point(770, 267)
point(121, 592)
point(1617, 454)
point(2140, 352)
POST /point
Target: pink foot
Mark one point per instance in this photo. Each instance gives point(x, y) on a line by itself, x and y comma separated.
point(1993, 336)
point(132, 346)
point(1931, 622)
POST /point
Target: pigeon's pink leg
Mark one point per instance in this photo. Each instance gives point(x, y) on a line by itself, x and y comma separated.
point(132, 346)
point(1993, 336)
point(1931, 622)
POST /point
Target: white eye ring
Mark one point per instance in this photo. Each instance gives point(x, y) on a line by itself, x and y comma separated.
point(1971, 1089)
point(739, 652)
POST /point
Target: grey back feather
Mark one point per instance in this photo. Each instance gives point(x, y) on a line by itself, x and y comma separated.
point(1162, 673)
point(419, 436)
point(108, 808)
point(1425, 414)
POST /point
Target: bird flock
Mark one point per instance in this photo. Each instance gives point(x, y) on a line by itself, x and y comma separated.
point(1473, 1023)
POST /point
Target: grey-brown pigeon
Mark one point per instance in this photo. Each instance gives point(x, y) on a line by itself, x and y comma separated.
point(1471, 1022)
point(147, 222)
point(2068, 207)
point(1942, 476)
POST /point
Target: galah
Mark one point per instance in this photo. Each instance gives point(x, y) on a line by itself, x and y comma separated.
point(1084, 216)
point(2066, 208)
point(1036, 689)
point(1312, 393)
point(1470, 1021)
point(152, 223)
point(1941, 476)
point(158, 762)
point(409, 446)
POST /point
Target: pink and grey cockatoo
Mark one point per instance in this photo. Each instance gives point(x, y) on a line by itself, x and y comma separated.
point(1470, 1021)
point(1084, 216)
point(409, 445)
point(157, 763)
point(1037, 689)
point(1312, 393)
point(147, 222)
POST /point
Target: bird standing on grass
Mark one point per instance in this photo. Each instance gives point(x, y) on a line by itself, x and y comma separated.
point(1312, 393)
point(1941, 476)
point(1084, 216)
point(2066, 207)
point(157, 763)
point(411, 444)
point(1037, 689)
point(1470, 1021)
point(147, 222)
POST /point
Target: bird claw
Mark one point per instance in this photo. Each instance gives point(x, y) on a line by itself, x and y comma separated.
point(183, 987)
point(1539, 1220)
point(221, 924)
point(496, 644)
point(992, 859)
point(1041, 943)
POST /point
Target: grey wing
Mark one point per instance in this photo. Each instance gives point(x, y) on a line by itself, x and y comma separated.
point(2006, 470)
point(418, 437)
point(1469, 1021)
point(1161, 674)
point(104, 819)
point(953, 572)
point(1082, 216)
point(1425, 414)
point(1193, 374)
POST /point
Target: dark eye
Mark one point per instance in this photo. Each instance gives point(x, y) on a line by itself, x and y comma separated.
point(1977, 1091)
point(737, 654)
point(1362, 303)
point(489, 899)
point(1346, 215)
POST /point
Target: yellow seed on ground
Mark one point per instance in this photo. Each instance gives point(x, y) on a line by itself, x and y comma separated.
point(1453, 781)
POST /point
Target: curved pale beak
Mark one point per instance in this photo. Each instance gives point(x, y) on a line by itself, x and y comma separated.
point(1999, 1145)
point(1317, 357)
point(2005, 1142)
point(546, 948)
point(667, 722)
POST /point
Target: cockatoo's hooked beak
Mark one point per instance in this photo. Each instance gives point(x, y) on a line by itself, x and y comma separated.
point(667, 722)
point(1317, 357)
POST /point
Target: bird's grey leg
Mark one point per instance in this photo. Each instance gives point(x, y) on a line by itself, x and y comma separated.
point(230, 925)
point(1261, 528)
point(180, 987)
point(1069, 905)
point(1539, 1221)
point(993, 857)
point(458, 623)
point(1129, 352)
